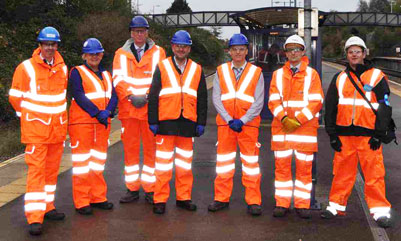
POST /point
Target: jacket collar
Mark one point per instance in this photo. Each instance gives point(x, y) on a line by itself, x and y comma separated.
point(302, 68)
point(58, 59)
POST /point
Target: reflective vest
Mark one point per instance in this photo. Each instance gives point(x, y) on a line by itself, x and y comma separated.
point(238, 96)
point(352, 108)
point(297, 96)
point(38, 95)
point(133, 78)
point(179, 92)
point(96, 90)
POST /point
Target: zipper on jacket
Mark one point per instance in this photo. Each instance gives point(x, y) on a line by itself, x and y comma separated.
point(182, 95)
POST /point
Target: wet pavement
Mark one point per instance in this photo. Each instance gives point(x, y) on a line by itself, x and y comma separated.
point(136, 221)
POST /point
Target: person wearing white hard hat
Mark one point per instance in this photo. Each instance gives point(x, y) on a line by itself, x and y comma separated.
point(295, 99)
point(355, 134)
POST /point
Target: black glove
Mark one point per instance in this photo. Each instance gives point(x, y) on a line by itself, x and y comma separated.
point(374, 143)
point(138, 101)
point(103, 116)
point(335, 143)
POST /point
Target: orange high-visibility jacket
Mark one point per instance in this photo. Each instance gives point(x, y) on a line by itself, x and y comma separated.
point(96, 90)
point(238, 96)
point(297, 96)
point(38, 95)
point(133, 78)
point(179, 92)
point(352, 107)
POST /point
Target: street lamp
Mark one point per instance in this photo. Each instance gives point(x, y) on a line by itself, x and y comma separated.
point(155, 6)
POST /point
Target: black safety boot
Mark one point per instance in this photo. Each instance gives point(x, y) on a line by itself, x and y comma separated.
point(103, 205)
point(254, 210)
point(35, 229)
point(303, 213)
point(149, 197)
point(159, 208)
point(130, 196)
point(87, 210)
point(54, 215)
point(187, 204)
point(326, 214)
point(279, 212)
point(383, 222)
point(217, 206)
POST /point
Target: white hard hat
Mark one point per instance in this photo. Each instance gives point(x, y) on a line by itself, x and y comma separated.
point(294, 39)
point(355, 40)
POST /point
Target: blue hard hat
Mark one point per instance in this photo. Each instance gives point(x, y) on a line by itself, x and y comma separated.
point(92, 46)
point(181, 37)
point(49, 34)
point(238, 39)
point(139, 22)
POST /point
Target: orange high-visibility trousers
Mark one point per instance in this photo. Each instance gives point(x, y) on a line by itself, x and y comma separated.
point(356, 148)
point(249, 146)
point(283, 178)
point(43, 162)
point(89, 143)
point(133, 131)
point(165, 146)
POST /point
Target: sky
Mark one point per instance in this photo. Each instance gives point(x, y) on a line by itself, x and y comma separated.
point(160, 6)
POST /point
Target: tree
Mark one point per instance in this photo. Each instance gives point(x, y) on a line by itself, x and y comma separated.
point(363, 6)
point(216, 31)
point(179, 6)
point(379, 6)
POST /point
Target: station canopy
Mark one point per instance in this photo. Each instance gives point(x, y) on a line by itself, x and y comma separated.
point(267, 17)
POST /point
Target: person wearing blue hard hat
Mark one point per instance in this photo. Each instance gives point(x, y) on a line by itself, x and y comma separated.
point(38, 95)
point(177, 113)
point(133, 67)
point(93, 104)
point(238, 95)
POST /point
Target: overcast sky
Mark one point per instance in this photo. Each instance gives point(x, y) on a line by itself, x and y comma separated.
point(160, 6)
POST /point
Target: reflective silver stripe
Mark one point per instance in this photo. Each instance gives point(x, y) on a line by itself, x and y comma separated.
point(147, 178)
point(295, 138)
point(155, 59)
point(226, 157)
point(138, 91)
point(65, 69)
point(32, 75)
point(44, 109)
point(187, 83)
point(277, 110)
point(307, 113)
point(357, 102)
point(95, 82)
point(80, 170)
point(164, 154)
point(49, 198)
point(138, 81)
point(38, 119)
point(163, 167)
point(184, 153)
point(80, 157)
point(283, 193)
point(96, 166)
point(249, 159)
point(46, 98)
point(332, 210)
point(225, 169)
point(307, 83)
point(278, 138)
point(281, 154)
point(315, 97)
point(117, 80)
point(380, 212)
point(241, 92)
point(303, 157)
point(95, 95)
point(279, 81)
point(373, 78)
point(18, 113)
point(341, 81)
point(229, 83)
point(98, 154)
point(273, 97)
point(15, 93)
point(133, 168)
point(30, 152)
point(131, 178)
point(278, 184)
point(337, 206)
point(250, 171)
point(50, 188)
point(148, 169)
point(304, 186)
point(35, 196)
point(183, 164)
point(175, 88)
point(35, 206)
point(300, 194)
point(295, 103)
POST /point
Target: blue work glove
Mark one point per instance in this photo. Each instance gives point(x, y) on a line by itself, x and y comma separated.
point(154, 128)
point(236, 125)
point(138, 101)
point(103, 116)
point(374, 143)
point(200, 129)
point(335, 143)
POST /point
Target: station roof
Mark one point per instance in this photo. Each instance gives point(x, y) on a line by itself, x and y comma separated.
point(271, 16)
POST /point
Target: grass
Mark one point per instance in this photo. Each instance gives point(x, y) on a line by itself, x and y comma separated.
point(10, 140)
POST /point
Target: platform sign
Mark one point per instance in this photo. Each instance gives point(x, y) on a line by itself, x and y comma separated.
point(314, 22)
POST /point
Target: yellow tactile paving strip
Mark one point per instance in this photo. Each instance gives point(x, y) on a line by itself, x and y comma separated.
point(13, 171)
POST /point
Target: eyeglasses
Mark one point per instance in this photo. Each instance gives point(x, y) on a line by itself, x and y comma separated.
point(94, 54)
point(238, 49)
point(139, 31)
point(357, 52)
point(48, 44)
point(295, 50)
point(181, 46)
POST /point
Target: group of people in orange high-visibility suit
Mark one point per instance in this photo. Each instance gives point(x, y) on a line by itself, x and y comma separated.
point(163, 104)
